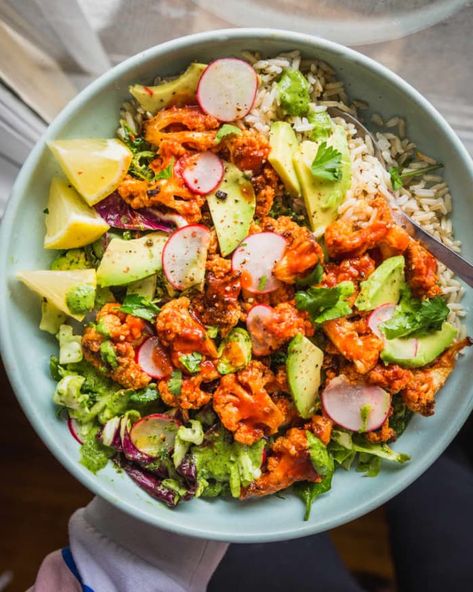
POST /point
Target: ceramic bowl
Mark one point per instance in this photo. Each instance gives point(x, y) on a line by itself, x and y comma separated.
point(26, 350)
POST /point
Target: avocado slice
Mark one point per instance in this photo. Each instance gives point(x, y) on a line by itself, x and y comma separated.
point(234, 352)
point(127, 261)
point(303, 365)
point(232, 207)
point(179, 91)
point(383, 286)
point(283, 143)
point(145, 287)
point(429, 347)
point(322, 197)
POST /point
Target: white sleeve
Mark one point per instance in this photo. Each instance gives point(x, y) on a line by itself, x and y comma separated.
point(114, 552)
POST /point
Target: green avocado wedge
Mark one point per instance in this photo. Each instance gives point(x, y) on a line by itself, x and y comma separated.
point(429, 347)
point(322, 197)
point(283, 143)
point(232, 207)
point(179, 91)
point(303, 365)
point(383, 286)
point(127, 261)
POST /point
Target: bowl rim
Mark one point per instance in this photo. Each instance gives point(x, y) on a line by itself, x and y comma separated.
point(13, 368)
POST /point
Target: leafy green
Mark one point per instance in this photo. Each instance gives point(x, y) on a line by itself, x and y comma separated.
point(396, 181)
point(324, 465)
point(175, 383)
point(368, 464)
point(227, 130)
point(166, 173)
point(93, 454)
point(68, 394)
point(222, 459)
point(324, 304)
point(187, 435)
point(108, 355)
point(398, 178)
point(322, 125)
point(139, 306)
point(312, 278)
point(327, 164)
point(143, 154)
point(293, 91)
point(70, 349)
point(191, 362)
point(414, 316)
point(401, 415)
point(146, 395)
point(344, 447)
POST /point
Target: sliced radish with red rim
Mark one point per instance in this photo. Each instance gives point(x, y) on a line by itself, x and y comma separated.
point(380, 315)
point(356, 407)
point(255, 258)
point(153, 359)
point(257, 321)
point(227, 89)
point(184, 256)
point(74, 429)
point(203, 172)
point(407, 346)
point(154, 434)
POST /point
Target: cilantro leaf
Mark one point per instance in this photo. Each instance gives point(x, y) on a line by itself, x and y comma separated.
point(139, 306)
point(327, 163)
point(396, 181)
point(145, 395)
point(191, 362)
point(175, 383)
point(414, 316)
point(398, 177)
point(324, 304)
point(227, 130)
point(312, 278)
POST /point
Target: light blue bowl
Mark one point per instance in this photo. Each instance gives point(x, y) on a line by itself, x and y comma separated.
point(26, 350)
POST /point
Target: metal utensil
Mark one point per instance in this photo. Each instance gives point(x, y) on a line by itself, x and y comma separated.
point(447, 256)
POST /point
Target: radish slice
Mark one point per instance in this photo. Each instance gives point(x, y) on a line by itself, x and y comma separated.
point(255, 258)
point(153, 359)
point(110, 435)
point(154, 434)
point(73, 428)
point(356, 407)
point(256, 322)
point(203, 173)
point(227, 89)
point(184, 256)
point(407, 346)
point(380, 315)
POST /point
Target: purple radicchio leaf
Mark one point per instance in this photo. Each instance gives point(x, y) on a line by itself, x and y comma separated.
point(118, 214)
point(150, 483)
point(188, 471)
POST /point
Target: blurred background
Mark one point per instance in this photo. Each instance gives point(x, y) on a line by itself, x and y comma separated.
point(51, 49)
